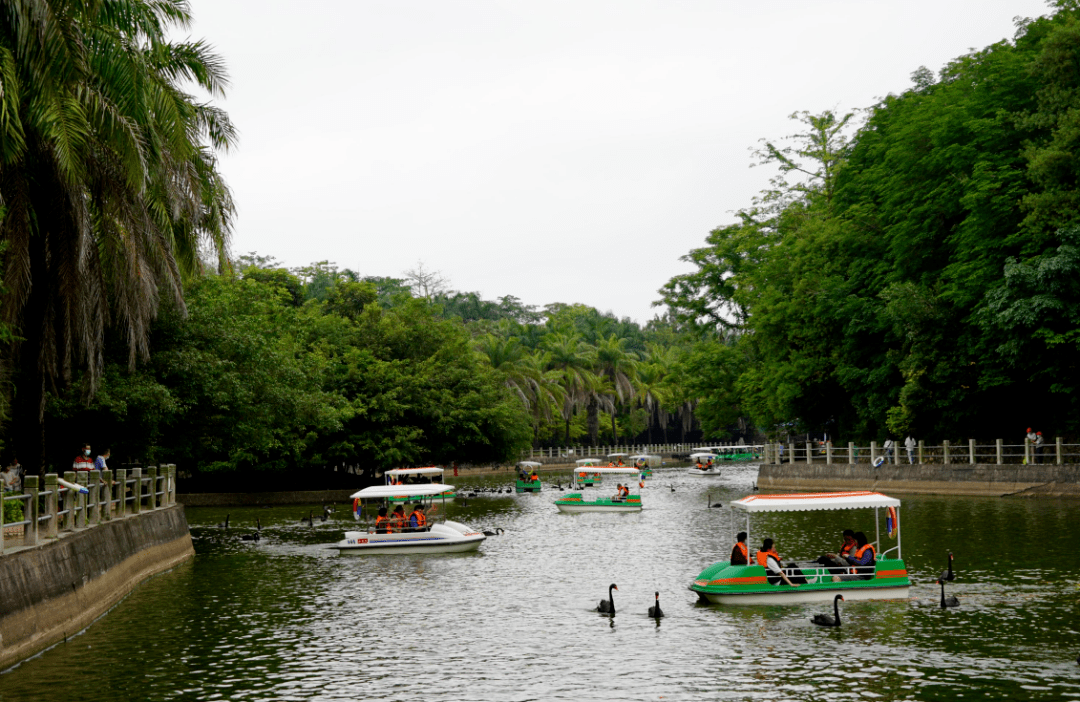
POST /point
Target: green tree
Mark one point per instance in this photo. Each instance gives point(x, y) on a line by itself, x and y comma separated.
point(109, 179)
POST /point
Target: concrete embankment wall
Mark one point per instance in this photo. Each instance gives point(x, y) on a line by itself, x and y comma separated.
point(258, 499)
point(949, 479)
point(55, 590)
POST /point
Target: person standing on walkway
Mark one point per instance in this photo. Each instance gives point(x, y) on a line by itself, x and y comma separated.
point(1039, 442)
point(1029, 440)
point(909, 444)
point(889, 445)
point(101, 462)
point(83, 462)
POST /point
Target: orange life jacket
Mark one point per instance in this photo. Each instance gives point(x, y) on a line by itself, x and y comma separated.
point(382, 525)
point(421, 520)
point(859, 553)
point(624, 491)
point(397, 522)
point(745, 551)
point(847, 548)
point(763, 557)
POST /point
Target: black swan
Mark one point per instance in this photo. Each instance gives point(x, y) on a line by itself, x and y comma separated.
point(498, 532)
point(825, 619)
point(655, 610)
point(225, 524)
point(256, 535)
point(608, 606)
point(949, 601)
point(948, 574)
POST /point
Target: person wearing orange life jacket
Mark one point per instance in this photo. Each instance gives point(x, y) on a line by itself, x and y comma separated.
point(768, 558)
point(862, 560)
point(835, 561)
point(397, 520)
point(740, 554)
point(624, 491)
point(382, 522)
point(418, 520)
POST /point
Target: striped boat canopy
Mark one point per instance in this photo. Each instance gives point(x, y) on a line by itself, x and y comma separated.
point(806, 502)
point(381, 491)
point(627, 470)
point(430, 470)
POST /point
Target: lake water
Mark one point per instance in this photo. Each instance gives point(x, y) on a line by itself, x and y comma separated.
point(288, 619)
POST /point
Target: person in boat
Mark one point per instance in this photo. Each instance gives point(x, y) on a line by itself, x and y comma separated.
point(534, 477)
point(861, 561)
point(397, 520)
point(835, 561)
point(769, 559)
point(382, 522)
point(622, 492)
point(699, 466)
point(418, 520)
point(740, 554)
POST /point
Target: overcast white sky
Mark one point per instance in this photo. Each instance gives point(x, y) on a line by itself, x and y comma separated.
point(558, 151)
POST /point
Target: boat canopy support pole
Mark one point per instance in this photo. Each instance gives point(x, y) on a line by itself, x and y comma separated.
point(877, 529)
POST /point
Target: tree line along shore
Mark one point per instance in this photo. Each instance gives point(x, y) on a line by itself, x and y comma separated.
point(912, 268)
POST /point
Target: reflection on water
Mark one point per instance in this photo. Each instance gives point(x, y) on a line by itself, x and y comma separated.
point(288, 619)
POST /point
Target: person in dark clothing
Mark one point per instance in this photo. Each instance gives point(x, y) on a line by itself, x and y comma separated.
point(835, 561)
point(740, 554)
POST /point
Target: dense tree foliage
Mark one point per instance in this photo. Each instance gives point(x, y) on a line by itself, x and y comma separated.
point(919, 275)
point(108, 181)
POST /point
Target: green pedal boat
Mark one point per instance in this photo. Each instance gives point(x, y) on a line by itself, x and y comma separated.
point(587, 478)
point(885, 579)
point(579, 502)
point(398, 476)
point(524, 485)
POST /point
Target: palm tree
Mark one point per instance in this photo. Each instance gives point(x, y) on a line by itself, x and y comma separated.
point(524, 374)
point(572, 362)
point(619, 368)
point(109, 182)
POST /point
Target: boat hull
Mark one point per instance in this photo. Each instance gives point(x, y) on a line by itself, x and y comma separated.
point(714, 473)
point(797, 595)
point(723, 583)
point(445, 537)
point(573, 503)
point(523, 486)
point(404, 499)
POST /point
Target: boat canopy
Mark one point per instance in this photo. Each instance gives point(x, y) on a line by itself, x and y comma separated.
point(613, 469)
point(616, 455)
point(429, 470)
point(383, 491)
point(805, 502)
point(530, 464)
point(642, 457)
point(588, 461)
point(703, 455)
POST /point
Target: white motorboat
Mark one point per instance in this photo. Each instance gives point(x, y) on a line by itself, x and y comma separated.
point(439, 537)
point(707, 461)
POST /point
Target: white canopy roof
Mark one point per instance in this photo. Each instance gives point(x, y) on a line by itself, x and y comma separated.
point(643, 457)
point(430, 470)
point(588, 461)
point(613, 469)
point(805, 502)
point(616, 455)
point(703, 455)
point(381, 491)
point(529, 464)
